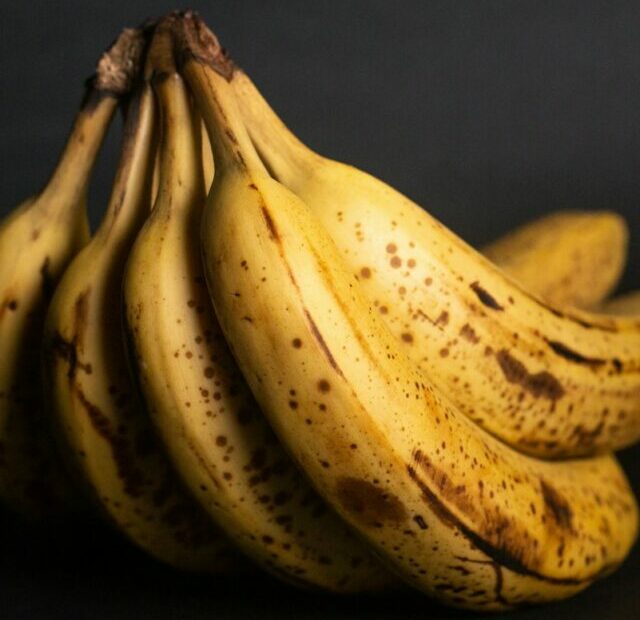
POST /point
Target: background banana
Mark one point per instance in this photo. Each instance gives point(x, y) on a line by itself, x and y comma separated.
point(37, 241)
point(218, 438)
point(456, 512)
point(569, 258)
point(548, 382)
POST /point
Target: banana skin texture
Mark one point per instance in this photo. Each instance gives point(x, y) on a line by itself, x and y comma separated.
point(216, 435)
point(456, 512)
point(550, 382)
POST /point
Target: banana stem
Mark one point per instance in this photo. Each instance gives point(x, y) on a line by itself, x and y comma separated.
point(181, 171)
point(284, 154)
point(114, 76)
point(69, 182)
point(208, 70)
point(131, 194)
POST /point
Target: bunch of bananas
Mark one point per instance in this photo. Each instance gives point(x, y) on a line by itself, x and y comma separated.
point(306, 369)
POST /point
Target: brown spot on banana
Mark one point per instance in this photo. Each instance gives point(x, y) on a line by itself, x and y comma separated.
point(468, 333)
point(369, 503)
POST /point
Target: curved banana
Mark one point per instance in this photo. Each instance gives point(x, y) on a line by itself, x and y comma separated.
point(105, 432)
point(37, 241)
point(217, 437)
point(568, 258)
point(550, 383)
point(625, 304)
point(456, 512)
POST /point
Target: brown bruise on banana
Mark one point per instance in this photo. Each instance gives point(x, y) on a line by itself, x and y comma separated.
point(561, 542)
point(543, 401)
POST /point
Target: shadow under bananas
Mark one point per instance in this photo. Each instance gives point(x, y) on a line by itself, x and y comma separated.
point(45, 573)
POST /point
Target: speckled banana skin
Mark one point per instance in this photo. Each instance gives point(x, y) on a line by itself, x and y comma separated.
point(215, 433)
point(104, 430)
point(37, 241)
point(568, 258)
point(548, 382)
point(627, 304)
point(458, 513)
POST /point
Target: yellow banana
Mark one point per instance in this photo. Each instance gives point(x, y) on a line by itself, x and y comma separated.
point(216, 435)
point(550, 383)
point(456, 512)
point(625, 304)
point(569, 258)
point(37, 241)
point(105, 432)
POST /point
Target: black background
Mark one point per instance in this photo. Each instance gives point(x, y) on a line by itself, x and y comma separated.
point(487, 113)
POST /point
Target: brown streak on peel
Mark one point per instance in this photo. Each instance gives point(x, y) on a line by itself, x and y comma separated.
point(541, 384)
point(485, 297)
point(321, 341)
point(273, 231)
point(573, 356)
point(454, 493)
point(502, 554)
point(557, 506)
point(315, 331)
point(122, 455)
point(67, 351)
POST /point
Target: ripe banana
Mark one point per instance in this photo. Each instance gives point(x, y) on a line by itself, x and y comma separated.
point(569, 258)
point(625, 304)
point(105, 432)
point(216, 435)
point(37, 241)
point(550, 383)
point(456, 512)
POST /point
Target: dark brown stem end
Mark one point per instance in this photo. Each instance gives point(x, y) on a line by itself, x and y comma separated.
point(119, 65)
point(195, 40)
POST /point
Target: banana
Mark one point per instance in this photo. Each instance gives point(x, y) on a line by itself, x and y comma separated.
point(456, 512)
point(105, 432)
point(550, 383)
point(198, 400)
point(37, 241)
point(568, 258)
point(625, 304)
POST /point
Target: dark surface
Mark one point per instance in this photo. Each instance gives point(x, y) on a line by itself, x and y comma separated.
point(489, 113)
